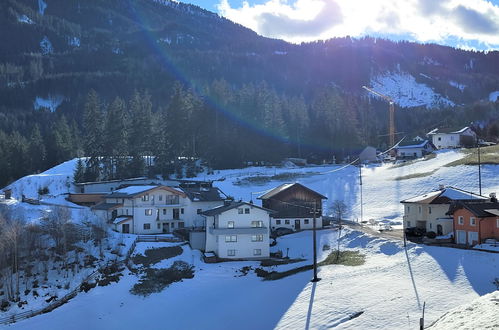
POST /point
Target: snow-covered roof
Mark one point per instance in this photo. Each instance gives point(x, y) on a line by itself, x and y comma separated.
point(121, 219)
point(448, 131)
point(277, 190)
point(412, 146)
point(444, 196)
point(131, 190)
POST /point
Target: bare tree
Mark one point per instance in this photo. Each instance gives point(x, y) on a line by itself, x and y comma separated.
point(339, 209)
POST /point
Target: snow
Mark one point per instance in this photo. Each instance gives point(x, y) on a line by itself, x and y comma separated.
point(46, 46)
point(481, 313)
point(134, 189)
point(457, 85)
point(25, 19)
point(279, 52)
point(488, 247)
point(425, 76)
point(494, 96)
point(42, 5)
point(457, 195)
point(389, 290)
point(51, 102)
point(406, 92)
point(74, 41)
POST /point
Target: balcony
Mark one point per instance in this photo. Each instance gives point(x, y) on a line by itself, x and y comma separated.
point(238, 231)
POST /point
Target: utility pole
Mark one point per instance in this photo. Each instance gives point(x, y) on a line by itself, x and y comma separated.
point(315, 279)
point(479, 172)
point(361, 202)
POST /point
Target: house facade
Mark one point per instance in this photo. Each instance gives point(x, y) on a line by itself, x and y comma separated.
point(200, 198)
point(238, 230)
point(450, 138)
point(411, 151)
point(474, 222)
point(145, 209)
point(293, 204)
point(429, 211)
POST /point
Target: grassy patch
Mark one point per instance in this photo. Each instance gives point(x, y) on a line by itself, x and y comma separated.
point(153, 256)
point(346, 258)
point(263, 179)
point(488, 155)
point(277, 262)
point(155, 280)
point(415, 175)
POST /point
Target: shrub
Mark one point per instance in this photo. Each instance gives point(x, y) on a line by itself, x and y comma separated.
point(43, 191)
point(156, 280)
point(153, 256)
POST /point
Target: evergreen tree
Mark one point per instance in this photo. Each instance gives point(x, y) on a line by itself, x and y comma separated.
point(116, 135)
point(36, 152)
point(93, 130)
point(79, 172)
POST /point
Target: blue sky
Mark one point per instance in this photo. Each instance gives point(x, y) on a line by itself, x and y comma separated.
point(468, 24)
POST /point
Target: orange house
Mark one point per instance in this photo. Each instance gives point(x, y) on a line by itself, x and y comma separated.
point(475, 222)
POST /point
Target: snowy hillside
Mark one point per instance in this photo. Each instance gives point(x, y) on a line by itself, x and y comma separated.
point(387, 292)
point(407, 92)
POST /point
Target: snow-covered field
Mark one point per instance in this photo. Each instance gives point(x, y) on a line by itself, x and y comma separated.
point(389, 290)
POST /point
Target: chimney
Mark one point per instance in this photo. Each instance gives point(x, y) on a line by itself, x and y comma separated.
point(227, 202)
point(493, 197)
point(441, 187)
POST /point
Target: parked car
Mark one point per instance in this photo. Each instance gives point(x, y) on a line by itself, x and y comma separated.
point(415, 231)
point(282, 231)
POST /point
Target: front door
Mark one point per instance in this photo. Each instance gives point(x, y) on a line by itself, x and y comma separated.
point(439, 230)
point(472, 237)
point(461, 237)
point(125, 228)
point(297, 225)
point(176, 214)
point(166, 228)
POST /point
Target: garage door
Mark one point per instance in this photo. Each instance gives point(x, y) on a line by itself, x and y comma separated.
point(461, 237)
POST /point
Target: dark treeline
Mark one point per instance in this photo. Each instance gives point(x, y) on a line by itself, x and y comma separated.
point(225, 127)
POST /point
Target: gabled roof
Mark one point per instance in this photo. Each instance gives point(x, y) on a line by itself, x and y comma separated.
point(232, 205)
point(106, 206)
point(121, 219)
point(448, 130)
point(480, 209)
point(444, 196)
point(277, 190)
point(138, 190)
point(204, 194)
point(411, 145)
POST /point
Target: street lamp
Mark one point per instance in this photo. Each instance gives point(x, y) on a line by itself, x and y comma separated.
point(315, 279)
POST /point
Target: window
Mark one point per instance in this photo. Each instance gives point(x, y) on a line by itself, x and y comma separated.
point(171, 199)
point(230, 238)
point(231, 253)
point(164, 211)
point(230, 224)
point(173, 225)
point(408, 224)
point(126, 211)
point(429, 209)
point(472, 221)
point(147, 226)
point(286, 222)
point(145, 198)
point(181, 224)
point(408, 209)
point(257, 252)
point(256, 224)
point(430, 225)
point(439, 138)
point(419, 209)
point(148, 211)
point(198, 211)
point(176, 214)
point(257, 238)
point(497, 222)
point(160, 197)
point(246, 210)
point(240, 211)
point(460, 220)
point(182, 211)
point(306, 221)
point(159, 226)
point(278, 222)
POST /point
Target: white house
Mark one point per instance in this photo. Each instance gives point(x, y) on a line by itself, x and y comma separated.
point(238, 230)
point(145, 209)
point(429, 211)
point(450, 138)
point(413, 150)
point(200, 198)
